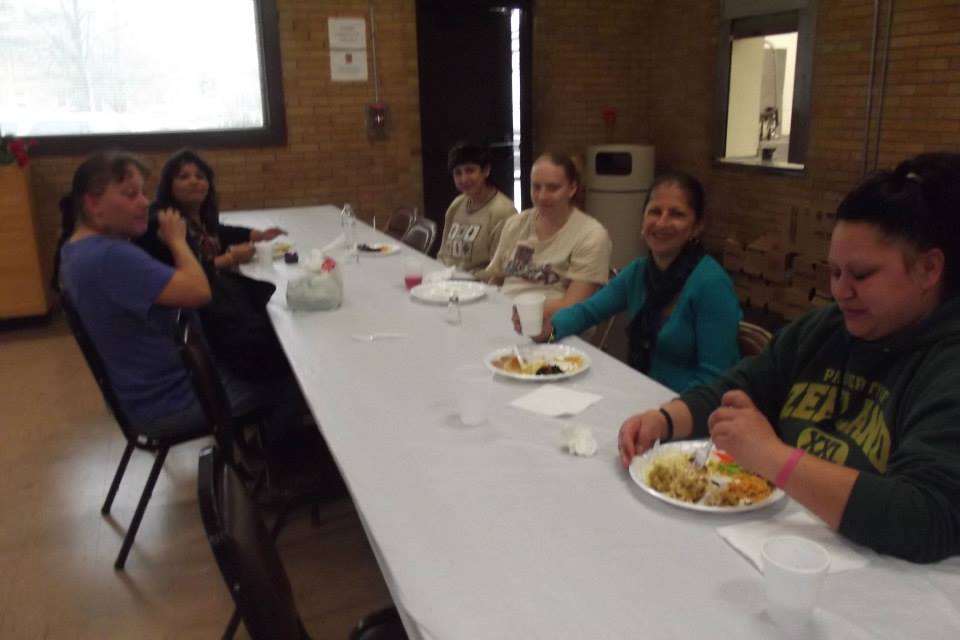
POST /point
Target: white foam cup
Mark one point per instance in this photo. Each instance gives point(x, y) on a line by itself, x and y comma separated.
point(530, 309)
point(265, 254)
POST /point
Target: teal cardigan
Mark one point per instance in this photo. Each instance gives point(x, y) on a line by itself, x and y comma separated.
point(696, 343)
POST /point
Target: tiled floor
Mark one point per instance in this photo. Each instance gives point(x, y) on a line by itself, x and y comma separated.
point(59, 450)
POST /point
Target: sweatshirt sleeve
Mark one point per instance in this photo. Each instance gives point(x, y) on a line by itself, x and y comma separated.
point(913, 510)
point(603, 304)
point(764, 377)
point(716, 323)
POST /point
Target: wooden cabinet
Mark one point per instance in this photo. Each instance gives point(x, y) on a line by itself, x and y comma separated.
point(23, 285)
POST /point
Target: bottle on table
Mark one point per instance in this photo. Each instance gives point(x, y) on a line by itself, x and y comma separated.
point(453, 309)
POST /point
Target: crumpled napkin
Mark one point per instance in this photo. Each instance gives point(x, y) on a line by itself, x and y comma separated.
point(554, 401)
point(439, 275)
point(748, 537)
point(578, 440)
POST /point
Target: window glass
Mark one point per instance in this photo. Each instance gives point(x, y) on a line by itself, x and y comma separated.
point(82, 67)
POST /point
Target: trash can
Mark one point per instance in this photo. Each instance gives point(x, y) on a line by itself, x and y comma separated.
point(617, 179)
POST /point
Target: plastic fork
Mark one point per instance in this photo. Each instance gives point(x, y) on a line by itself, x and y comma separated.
point(516, 352)
point(370, 337)
point(702, 455)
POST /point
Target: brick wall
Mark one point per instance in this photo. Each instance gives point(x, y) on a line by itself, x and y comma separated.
point(654, 62)
point(589, 57)
point(921, 105)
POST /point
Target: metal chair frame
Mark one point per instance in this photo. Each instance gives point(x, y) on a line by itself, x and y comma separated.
point(157, 446)
point(400, 222)
point(752, 339)
point(421, 235)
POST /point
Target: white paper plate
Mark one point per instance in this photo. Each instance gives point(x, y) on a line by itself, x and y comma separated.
point(640, 465)
point(280, 248)
point(440, 292)
point(385, 249)
point(549, 352)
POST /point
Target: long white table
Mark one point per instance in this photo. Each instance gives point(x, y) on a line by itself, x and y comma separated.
point(494, 531)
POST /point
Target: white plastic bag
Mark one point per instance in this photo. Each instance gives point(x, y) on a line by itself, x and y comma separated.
point(320, 289)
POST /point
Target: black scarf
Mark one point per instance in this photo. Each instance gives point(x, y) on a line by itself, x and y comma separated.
point(662, 287)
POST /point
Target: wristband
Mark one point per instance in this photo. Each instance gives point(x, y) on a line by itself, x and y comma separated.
point(669, 425)
point(787, 470)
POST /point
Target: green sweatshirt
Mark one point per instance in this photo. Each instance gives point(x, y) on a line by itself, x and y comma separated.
point(897, 421)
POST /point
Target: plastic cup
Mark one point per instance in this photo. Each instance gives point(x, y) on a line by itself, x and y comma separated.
point(412, 273)
point(530, 309)
point(265, 254)
point(793, 569)
point(472, 387)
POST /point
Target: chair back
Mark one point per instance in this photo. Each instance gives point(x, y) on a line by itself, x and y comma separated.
point(400, 222)
point(99, 370)
point(752, 339)
point(421, 235)
point(207, 386)
point(245, 552)
point(604, 333)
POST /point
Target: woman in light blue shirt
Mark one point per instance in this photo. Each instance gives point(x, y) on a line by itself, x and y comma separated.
point(682, 307)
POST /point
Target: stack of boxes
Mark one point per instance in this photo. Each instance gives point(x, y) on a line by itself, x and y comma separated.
point(785, 273)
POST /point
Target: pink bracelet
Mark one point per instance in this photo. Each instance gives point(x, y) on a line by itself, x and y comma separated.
point(787, 470)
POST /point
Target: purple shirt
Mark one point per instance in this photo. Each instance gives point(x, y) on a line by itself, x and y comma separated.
point(113, 284)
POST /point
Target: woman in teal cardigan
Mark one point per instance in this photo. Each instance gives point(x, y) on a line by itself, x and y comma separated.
point(682, 306)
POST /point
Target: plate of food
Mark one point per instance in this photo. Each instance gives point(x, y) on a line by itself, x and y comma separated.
point(281, 248)
point(440, 292)
point(667, 472)
point(377, 248)
point(541, 362)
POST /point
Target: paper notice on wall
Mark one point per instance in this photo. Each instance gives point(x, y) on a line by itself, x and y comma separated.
point(348, 66)
point(348, 49)
point(347, 33)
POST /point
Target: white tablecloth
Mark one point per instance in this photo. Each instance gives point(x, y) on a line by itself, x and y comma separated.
point(495, 532)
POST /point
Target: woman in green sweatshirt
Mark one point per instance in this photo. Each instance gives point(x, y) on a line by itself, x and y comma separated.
point(854, 409)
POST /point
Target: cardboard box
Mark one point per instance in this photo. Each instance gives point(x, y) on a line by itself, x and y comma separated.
point(733, 255)
point(758, 292)
point(810, 234)
point(820, 300)
point(768, 257)
point(789, 310)
point(741, 282)
point(811, 269)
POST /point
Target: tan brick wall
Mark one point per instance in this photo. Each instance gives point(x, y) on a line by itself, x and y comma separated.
point(654, 62)
point(589, 57)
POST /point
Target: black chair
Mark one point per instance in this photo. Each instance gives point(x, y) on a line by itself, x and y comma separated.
point(251, 566)
point(158, 446)
point(400, 221)
point(245, 552)
point(306, 473)
point(421, 235)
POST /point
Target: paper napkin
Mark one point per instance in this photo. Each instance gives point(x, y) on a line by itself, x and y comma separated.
point(552, 400)
point(749, 536)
